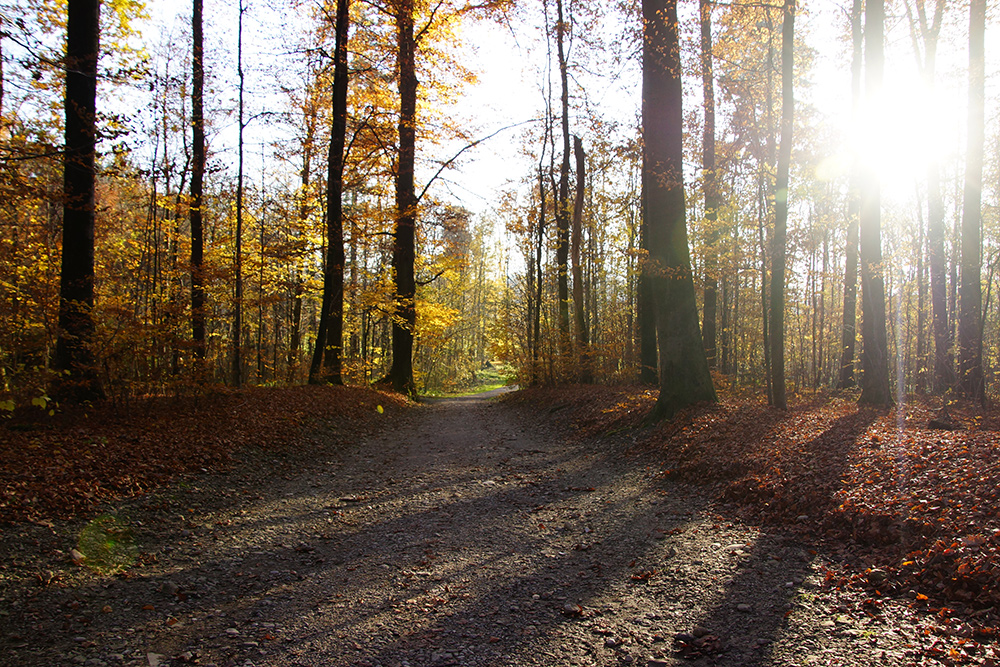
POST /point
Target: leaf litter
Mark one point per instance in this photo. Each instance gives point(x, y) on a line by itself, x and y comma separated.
point(910, 506)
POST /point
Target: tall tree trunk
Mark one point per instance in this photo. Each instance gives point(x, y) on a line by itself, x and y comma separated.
point(197, 184)
point(849, 327)
point(708, 333)
point(74, 357)
point(583, 334)
point(562, 202)
point(404, 238)
point(922, 357)
point(777, 312)
point(540, 242)
point(922, 31)
point(875, 355)
point(970, 326)
point(684, 374)
point(237, 342)
point(331, 335)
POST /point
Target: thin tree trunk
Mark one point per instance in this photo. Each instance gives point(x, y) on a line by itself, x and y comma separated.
point(583, 335)
point(74, 358)
point(944, 374)
point(874, 357)
point(537, 336)
point(197, 185)
point(562, 202)
point(777, 313)
point(765, 330)
point(846, 379)
point(970, 326)
point(684, 375)
point(237, 342)
point(708, 330)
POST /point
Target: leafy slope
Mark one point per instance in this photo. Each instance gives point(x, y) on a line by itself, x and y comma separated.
point(60, 467)
point(913, 508)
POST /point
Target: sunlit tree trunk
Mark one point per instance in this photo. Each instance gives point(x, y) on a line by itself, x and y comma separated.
point(845, 379)
point(777, 312)
point(684, 374)
point(874, 356)
point(197, 183)
point(404, 238)
point(330, 338)
point(74, 357)
point(970, 327)
point(921, 30)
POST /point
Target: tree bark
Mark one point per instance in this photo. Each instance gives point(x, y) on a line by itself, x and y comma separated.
point(237, 355)
point(197, 183)
point(874, 356)
point(777, 311)
point(562, 201)
point(849, 327)
point(404, 238)
point(583, 335)
point(330, 337)
point(970, 327)
point(540, 242)
point(684, 374)
point(710, 297)
point(74, 358)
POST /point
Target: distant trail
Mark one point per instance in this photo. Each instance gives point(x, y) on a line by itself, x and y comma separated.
point(465, 534)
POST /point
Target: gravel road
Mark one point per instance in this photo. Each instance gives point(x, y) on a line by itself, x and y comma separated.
point(465, 533)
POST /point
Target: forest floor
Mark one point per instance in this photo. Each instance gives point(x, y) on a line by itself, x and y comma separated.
point(332, 526)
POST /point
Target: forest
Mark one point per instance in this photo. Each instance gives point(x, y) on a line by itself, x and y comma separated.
point(270, 271)
point(279, 193)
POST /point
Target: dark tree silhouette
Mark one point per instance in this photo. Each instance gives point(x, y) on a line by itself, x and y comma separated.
point(404, 238)
point(684, 374)
point(330, 334)
point(74, 358)
point(197, 181)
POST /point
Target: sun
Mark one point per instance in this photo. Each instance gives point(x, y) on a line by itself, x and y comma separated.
point(903, 131)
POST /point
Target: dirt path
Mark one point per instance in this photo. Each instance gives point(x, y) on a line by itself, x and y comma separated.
point(463, 535)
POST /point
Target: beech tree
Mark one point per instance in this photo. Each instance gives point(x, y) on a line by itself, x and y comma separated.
point(970, 326)
point(329, 337)
point(875, 353)
point(197, 180)
point(845, 378)
point(777, 312)
point(684, 373)
point(580, 314)
point(74, 357)
point(924, 31)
